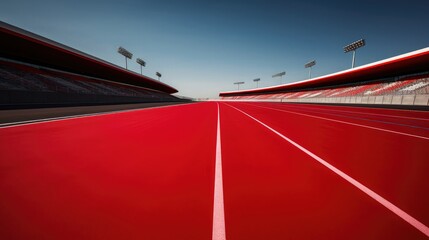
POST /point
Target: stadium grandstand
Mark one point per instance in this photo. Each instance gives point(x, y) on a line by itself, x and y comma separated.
point(37, 71)
point(400, 80)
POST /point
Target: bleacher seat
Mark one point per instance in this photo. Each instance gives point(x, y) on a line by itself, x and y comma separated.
point(20, 77)
point(405, 85)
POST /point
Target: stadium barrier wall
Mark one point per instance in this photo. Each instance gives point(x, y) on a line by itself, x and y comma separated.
point(412, 100)
point(21, 98)
point(420, 100)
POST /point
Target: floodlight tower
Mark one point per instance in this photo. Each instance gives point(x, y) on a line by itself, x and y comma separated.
point(238, 84)
point(159, 76)
point(310, 65)
point(352, 47)
point(280, 75)
point(257, 81)
point(126, 54)
point(142, 64)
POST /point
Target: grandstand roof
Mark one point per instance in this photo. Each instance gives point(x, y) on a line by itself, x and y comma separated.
point(409, 63)
point(25, 46)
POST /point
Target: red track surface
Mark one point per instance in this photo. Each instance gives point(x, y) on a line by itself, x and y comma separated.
point(149, 174)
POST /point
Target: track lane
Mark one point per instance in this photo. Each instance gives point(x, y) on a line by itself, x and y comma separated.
point(61, 116)
point(273, 190)
point(134, 175)
point(385, 112)
point(18, 116)
point(415, 122)
point(417, 128)
point(392, 165)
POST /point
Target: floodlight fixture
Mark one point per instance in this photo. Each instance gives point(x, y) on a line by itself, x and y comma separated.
point(238, 84)
point(352, 47)
point(310, 65)
point(142, 64)
point(124, 52)
point(257, 81)
point(281, 74)
point(159, 76)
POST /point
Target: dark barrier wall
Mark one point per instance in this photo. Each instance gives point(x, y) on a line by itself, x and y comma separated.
point(23, 98)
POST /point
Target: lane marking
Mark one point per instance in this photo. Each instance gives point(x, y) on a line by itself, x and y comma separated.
point(356, 112)
point(339, 121)
point(218, 206)
point(43, 120)
point(402, 214)
point(357, 117)
point(70, 117)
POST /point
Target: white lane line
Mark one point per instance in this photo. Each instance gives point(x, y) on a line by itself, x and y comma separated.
point(408, 218)
point(349, 123)
point(56, 119)
point(366, 113)
point(52, 119)
point(218, 207)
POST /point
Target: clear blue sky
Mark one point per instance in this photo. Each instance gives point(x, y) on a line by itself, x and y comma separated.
point(202, 47)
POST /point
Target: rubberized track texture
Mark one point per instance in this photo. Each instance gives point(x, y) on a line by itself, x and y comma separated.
point(218, 170)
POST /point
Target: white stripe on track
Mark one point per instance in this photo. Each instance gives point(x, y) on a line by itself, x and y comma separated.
point(218, 206)
point(405, 216)
point(349, 123)
point(71, 117)
point(366, 113)
point(52, 119)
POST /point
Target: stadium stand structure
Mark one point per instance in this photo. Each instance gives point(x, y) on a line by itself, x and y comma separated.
point(36, 70)
point(400, 80)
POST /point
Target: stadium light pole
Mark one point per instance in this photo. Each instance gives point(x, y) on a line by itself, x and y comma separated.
point(126, 54)
point(257, 81)
point(352, 47)
point(142, 64)
point(159, 76)
point(238, 84)
point(280, 75)
point(310, 65)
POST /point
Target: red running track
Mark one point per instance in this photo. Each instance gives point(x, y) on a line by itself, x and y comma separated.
point(289, 171)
